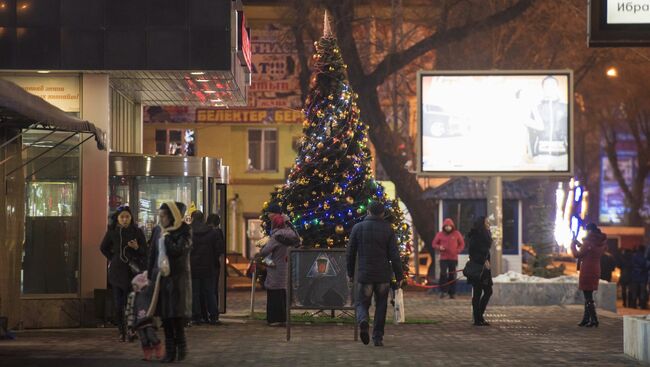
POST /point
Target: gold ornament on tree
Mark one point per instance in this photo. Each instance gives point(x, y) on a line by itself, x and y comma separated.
point(339, 229)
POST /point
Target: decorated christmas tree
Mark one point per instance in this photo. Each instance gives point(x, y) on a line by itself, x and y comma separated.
point(331, 183)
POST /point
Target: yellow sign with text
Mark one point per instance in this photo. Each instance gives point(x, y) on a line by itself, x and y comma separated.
point(255, 116)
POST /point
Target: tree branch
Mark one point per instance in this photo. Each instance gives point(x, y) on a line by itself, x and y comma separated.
point(612, 155)
point(395, 61)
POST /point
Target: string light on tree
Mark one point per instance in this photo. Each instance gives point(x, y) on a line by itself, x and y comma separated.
point(331, 183)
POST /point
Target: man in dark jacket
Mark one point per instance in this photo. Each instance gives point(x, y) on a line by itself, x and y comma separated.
point(204, 262)
point(639, 279)
point(374, 244)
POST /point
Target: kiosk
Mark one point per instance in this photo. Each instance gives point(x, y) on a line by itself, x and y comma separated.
point(145, 182)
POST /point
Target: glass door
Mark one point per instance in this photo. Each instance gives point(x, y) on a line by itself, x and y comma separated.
point(217, 204)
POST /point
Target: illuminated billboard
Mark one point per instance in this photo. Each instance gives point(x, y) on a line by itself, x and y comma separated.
point(495, 123)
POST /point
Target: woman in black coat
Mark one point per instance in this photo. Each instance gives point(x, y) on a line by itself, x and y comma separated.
point(174, 301)
point(480, 242)
point(125, 247)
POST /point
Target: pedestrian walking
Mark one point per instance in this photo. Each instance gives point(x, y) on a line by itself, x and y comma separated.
point(174, 304)
point(139, 315)
point(625, 279)
point(125, 247)
point(374, 244)
point(214, 222)
point(276, 250)
point(639, 279)
point(607, 266)
point(588, 254)
point(479, 239)
point(449, 242)
point(204, 260)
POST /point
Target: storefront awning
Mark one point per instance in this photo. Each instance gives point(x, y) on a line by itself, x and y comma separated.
point(21, 109)
point(464, 188)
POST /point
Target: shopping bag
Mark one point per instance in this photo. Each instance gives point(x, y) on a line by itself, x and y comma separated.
point(398, 306)
point(163, 260)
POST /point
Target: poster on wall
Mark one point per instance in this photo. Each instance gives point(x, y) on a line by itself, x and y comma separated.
point(276, 69)
point(60, 91)
point(612, 199)
point(506, 122)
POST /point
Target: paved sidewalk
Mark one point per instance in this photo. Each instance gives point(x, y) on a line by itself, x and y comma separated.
point(519, 336)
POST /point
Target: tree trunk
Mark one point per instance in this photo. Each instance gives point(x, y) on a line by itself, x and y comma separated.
point(386, 147)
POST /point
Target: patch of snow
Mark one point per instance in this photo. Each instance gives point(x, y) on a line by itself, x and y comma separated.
point(513, 276)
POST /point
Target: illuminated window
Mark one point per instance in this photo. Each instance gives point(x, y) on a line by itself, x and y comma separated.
point(262, 149)
point(176, 142)
point(50, 254)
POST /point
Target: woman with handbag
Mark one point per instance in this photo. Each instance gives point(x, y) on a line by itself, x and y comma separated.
point(275, 259)
point(477, 269)
point(125, 247)
point(588, 254)
point(170, 270)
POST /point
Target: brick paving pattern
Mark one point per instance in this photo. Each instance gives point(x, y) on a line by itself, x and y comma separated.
point(519, 336)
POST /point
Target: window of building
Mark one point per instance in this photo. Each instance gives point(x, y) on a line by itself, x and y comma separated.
point(180, 142)
point(465, 212)
point(50, 261)
point(262, 149)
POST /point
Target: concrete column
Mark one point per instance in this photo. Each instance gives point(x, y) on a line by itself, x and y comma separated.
point(95, 107)
point(138, 128)
point(12, 223)
point(495, 218)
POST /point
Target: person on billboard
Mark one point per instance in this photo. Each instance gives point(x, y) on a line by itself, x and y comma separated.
point(589, 252)
point(449, 243)
point(529, 118)
point(374, 244)
point(554, 115)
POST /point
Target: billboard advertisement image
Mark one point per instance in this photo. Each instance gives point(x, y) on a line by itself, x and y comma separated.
point(509, 123)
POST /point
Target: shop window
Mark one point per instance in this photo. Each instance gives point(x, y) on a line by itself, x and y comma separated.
point(262, 150)
point(50, 261)
point(465, 212)
point(180, 142)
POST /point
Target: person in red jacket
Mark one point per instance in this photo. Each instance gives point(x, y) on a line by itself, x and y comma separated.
point(588, 254)
point(449, 242)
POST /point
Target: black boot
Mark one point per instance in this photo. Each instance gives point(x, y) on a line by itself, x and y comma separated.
point(476, 315)
point(121, 327)
point(181, 342)
point(170, 346)
point(586, 316)
point(593, 319)
point(482, 307)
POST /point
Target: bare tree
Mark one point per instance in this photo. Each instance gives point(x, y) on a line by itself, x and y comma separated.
point(451, 34)
point(366, 84)
point(619, 107)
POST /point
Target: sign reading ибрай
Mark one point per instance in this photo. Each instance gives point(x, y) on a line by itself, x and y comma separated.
point(628, 12)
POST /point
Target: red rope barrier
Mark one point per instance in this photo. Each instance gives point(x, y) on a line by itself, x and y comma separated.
point(411, 282)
